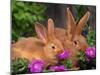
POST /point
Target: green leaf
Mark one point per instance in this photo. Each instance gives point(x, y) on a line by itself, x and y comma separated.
point(19, 66)
point(68, 63)
point(91, 38)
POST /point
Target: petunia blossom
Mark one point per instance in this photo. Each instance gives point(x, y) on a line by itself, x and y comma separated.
point(91, 52)
point(64, 55)
point(36, 66)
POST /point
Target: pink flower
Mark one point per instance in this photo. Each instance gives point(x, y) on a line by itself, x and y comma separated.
point(91, 52)
point(36, 66)
point(64, 55)
point(58, 68)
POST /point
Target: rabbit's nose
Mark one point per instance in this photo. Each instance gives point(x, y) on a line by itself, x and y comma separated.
point(60, 51)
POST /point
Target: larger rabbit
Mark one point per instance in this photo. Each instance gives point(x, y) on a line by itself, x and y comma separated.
point(46, 47)
point(72, 37)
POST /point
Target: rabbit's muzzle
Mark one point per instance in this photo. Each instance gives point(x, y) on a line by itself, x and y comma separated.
point(59, 52)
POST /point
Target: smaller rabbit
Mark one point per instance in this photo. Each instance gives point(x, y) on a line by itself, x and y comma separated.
point(46, 47)
point(71, 36)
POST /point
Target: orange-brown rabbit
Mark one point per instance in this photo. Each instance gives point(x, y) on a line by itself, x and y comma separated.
point(46, 47)
point(72, 37)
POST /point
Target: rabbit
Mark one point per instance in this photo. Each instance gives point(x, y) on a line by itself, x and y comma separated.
point(44, 47)
point(71, 36)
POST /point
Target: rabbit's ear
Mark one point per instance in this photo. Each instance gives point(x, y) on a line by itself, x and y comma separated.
point(50, 28)
point(82, 23)
point(41, 32)
point(71, 24)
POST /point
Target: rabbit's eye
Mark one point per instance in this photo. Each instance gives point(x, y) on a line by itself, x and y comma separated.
point(75, 42)
point(53, 47)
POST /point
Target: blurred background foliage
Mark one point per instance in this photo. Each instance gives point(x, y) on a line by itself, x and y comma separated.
point(24, 16)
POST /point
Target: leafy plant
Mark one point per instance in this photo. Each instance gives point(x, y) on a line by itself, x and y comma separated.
point(19, 66)
point(24, 16)
point(85, 63)
point(68, 64)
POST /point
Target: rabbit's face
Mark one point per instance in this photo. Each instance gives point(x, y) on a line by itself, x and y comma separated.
point(55, 46)
point(53, 49)
point(80, 42)
point(70, 46)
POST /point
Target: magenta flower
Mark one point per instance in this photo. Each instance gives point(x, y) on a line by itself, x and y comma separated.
point(64, 55)
point(36, 66)
point(91, 52)
point(58, 68)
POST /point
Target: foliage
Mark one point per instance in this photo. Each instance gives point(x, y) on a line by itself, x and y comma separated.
point(19, 66)
point(68, 64)
point(85, 63)
point(24, 16)
point(91, 38)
